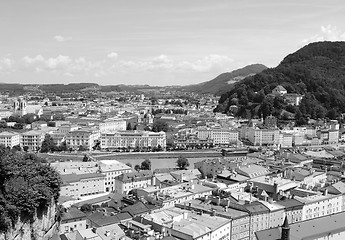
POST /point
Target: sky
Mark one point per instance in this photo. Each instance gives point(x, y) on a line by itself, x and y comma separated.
point(155, 42)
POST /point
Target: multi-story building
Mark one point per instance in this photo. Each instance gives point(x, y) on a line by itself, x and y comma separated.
point(204, 133)
point(259, 218)
point(110, 168)
point(112, 125)
point(239, 218)
point(72, 219)
point(184, 224)
point(224, 136)
point(85, 138)
point(320, 205)
point(293, 209)
point(212, 167)
point(133, 139)
point(259, 137)
point(285, 140)
point(128, 181)
point(9, 139)
point(218, 135)
point(33, 139)
point(276, 214)
point(168, 197)
point(273, 186)
point(66, 128)
point(78, 185)
point(329, 227)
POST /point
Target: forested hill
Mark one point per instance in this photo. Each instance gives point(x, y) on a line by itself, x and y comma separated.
point(317, 71)
point(224, 81)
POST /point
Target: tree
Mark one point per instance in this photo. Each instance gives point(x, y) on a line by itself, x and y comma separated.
point(129, 126)
point(267, 107)
point(86, 158)
point(182, 162)
point(300, 119)
point(29, 118)
point(137, 168)
point(82, 148)
point(16, 148)
point(27, 186)
point(159, 126)
point(3, 124)
point(25, 148)
point(63, 146)
point(48, 144)
point(18, 125)
point(146, 165)
point(97, 145)
point(86, 207)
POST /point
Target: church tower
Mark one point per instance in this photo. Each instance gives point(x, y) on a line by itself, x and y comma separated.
point(285, 230)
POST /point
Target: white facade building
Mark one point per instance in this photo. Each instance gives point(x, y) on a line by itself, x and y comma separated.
point(133, 139)
point(9, 139)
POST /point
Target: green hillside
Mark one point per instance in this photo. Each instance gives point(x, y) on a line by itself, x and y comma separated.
point(317, 71)
point(224, 81)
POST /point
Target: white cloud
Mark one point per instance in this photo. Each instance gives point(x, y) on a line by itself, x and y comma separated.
point(211, 62)
point(113, 55)
point(41, 64)
point(6, 64)
point(327, 33)
point(58, 62)
point(32, 60)
point(160, 65)
point(59, 38)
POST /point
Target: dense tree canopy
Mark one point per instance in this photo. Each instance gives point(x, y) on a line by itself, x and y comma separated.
point(137, 167)
point(315, 71)
point(27, 184)
point(48, 144)
point(159, 126)
point(146, 165)
point(182, 162)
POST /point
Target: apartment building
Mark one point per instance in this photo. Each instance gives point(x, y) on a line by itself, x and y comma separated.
point(128, 181)
point(77, 185)
point(320, 205)
point(259, 137)
point(85, 138)
point(184, 224)
point(219, 136)
point(9, 139)
point(133, 139)
point(33, 139)
point(285, 140)
point(110, 168)
point(239, 218)
point(328, 136)
point(72, 219)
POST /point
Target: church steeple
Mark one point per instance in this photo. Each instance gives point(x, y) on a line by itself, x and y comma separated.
point(285, 230)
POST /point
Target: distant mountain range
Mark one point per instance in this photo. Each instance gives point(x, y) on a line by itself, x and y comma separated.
point(316, 71)
point(216, 86)
point(224, 82)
